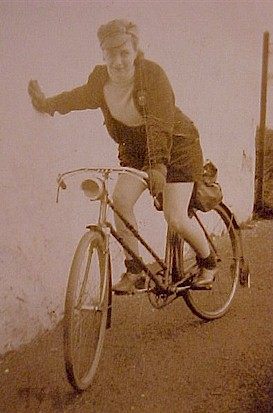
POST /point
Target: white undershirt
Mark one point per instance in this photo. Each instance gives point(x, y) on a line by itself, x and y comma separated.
point(118, 95)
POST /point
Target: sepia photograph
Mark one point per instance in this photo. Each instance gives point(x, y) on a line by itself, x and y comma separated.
point(136, 211)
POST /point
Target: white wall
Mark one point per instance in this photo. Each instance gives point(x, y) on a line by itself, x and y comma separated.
point(212, 54)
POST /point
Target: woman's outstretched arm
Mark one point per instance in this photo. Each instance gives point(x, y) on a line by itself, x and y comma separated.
point(87, 96)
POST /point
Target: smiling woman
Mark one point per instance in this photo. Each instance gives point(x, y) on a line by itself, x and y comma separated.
point(152, 133)
point(118, 89)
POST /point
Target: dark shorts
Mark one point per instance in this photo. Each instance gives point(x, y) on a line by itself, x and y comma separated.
point(186, 162)
point(186, 158)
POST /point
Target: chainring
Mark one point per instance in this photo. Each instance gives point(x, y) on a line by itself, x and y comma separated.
point(157, 297)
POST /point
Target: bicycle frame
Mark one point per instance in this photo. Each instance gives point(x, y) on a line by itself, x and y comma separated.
point(107, 229)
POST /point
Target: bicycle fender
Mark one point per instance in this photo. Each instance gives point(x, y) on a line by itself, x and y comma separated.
point(244, 266)
point(230, 215)
point(97, 228)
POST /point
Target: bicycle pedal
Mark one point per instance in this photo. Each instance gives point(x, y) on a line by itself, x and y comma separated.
point(207, 287)
point(129, 293)
point(142, 291)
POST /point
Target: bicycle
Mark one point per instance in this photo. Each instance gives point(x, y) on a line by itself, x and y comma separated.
point(88, 302)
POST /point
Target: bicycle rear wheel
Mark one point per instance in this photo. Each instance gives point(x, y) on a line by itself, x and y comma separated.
point(86, 308)
point(214, 303)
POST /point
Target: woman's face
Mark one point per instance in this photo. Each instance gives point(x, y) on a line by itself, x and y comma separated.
point(120, 60)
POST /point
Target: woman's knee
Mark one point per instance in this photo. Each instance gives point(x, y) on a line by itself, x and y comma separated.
point(122, 202)
point(126, 193)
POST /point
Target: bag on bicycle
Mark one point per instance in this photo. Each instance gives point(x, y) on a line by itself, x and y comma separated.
point(207, 193)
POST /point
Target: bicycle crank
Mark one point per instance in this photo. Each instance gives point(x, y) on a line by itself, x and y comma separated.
point(157, 297)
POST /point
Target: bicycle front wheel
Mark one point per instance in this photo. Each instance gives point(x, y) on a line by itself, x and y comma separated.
point(86, 308)
point(214, 303)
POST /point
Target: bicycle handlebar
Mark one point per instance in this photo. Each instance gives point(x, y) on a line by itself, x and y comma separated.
point(106, 171)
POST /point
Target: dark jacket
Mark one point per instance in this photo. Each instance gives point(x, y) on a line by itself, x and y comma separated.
point(154, 99)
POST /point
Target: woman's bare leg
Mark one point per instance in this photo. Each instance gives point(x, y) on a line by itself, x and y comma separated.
point(176, 202)
point(126, 193)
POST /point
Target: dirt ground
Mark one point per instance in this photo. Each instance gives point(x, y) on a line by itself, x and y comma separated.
point(161, 361)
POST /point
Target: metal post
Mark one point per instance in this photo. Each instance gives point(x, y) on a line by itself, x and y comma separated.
point(259, 198)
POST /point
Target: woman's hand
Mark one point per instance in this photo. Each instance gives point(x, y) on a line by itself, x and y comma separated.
point(157, 180)
point(38, 98)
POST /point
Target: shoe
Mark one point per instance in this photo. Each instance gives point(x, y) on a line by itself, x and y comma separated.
point(205, 279)
point(130, 284)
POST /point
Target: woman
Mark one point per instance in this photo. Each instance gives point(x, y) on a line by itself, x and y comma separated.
point(138, 105)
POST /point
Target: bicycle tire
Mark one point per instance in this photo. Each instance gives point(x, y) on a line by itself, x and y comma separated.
point(86, 309)
point(214, 303)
